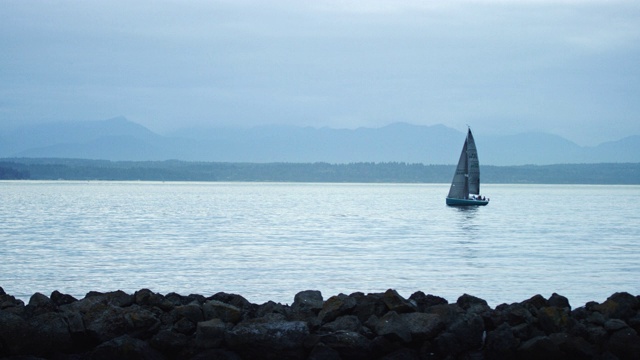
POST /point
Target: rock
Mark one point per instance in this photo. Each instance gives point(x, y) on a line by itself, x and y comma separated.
point(625, 344)
point(475, 304)
point(323, 352)
point(343, 323)
point(116, 298)
point(448, 313)
point(469, 332)
point(540, 347)
point(192, 312)
point(559, 301)
point(105, 322)
point(217, 354)
point(535, 302)
point(16, 337)
point(368, 305)
point(397, 303)
point(214, 309)
point(271, 308)
point(308, 301)
point(392, 326)
point(424, 302)
point(232, 299)
point(501, 343)
point(39, 304)
point(358, 326)
point(335, 306)
point(574, 347)
point(615, 325)
point(125, 348)
point(141, 322)
point(52, 333)
point(422, 326)
point(8, 301)
point(146, 297)
point(61, 299)
point(169, 342)
point(210, 334)
point(261, 338)
point(517, 314)
point(348, 344)
point(619, 306)
point(553, 319)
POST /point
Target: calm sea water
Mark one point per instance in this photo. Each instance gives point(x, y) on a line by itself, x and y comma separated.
point(268, 241)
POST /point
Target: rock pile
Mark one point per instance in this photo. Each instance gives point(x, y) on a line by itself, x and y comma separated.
point(148, 325)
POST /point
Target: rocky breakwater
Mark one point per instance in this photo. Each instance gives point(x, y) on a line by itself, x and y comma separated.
point(148, 325)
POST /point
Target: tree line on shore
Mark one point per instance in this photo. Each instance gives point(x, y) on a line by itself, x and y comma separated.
point(386, 172)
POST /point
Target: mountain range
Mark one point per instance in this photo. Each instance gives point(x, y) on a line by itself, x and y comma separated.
point(119, 139)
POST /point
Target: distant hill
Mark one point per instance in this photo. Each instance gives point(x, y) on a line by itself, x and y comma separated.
point(390, 172)
point(119, 139)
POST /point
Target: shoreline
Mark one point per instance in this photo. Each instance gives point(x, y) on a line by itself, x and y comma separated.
point(148, 325)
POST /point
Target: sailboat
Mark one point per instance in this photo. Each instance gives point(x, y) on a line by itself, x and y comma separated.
point(465, 187)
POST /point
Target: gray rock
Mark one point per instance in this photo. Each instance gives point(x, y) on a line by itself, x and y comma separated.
point(210, 334)
point(518, 314)
point(125, 348)
point(424, 302)
point(268, 334)
point(615, 325)
point(369, 305)
point(323, 352)
point(397, 303)
point(343, 323)
point(233, 299)
point(146, 297)
point(620, 305)
point(559, 301)
point(475, 304)
point(309, 300)
point(214, 309)
point(16, 337)
point(469, 332)
point(348, 344)
point(541, 347)
point(335, 306)
point(625, 344)
point(501, 343)
point(422, 326)
point(59, 298)
point(169, 342)
point(394, 327)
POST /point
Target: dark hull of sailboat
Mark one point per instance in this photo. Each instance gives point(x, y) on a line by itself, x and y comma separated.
point(466, 202)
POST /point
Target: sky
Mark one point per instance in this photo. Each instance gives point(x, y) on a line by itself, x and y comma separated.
point(567, 67)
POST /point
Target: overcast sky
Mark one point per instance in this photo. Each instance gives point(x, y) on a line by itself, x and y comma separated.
point(566, 67)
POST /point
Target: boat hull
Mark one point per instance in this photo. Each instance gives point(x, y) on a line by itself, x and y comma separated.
point(466, 202)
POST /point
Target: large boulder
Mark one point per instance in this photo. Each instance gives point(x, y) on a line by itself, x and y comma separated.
point(125, 348)
point(263, 338)
point(335, 306)
point(395, 302)
point(210, 333)
point(308, 301)
point(214, 309)
point(620, 305)
point(16, 336)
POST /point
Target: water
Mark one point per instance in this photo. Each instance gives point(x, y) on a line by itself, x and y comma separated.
point(268, 241)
